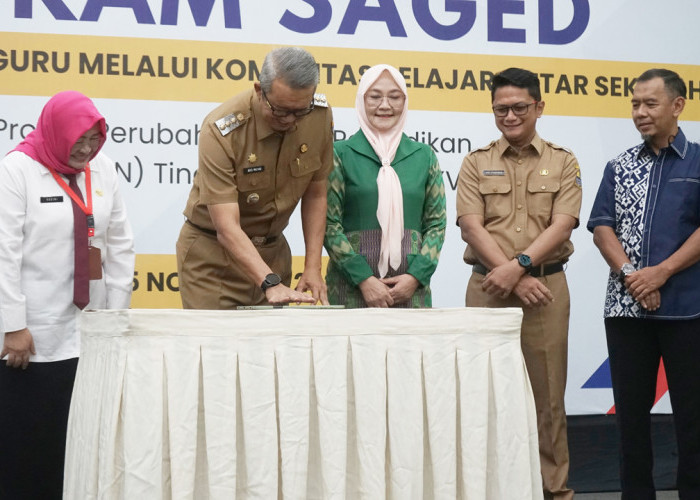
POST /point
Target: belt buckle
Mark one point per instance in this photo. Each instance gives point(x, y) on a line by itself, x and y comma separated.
point(258, 240)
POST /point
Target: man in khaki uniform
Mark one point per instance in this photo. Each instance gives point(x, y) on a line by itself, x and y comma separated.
point(518, 200)
point(260, 152)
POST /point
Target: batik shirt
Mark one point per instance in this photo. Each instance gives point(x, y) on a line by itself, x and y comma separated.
point(653, 204)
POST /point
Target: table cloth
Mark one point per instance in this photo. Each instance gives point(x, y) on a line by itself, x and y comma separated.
point(301, 403)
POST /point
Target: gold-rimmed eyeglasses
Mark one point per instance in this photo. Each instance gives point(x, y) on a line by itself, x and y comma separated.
point(394, 100)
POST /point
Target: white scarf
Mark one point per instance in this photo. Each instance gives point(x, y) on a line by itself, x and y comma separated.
point(385, 144)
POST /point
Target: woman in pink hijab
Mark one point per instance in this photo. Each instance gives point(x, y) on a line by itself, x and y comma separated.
point(386, 221)
point(65, 244)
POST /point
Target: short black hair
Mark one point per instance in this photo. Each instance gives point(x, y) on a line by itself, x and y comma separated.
point(517, 77)
point(673, 83)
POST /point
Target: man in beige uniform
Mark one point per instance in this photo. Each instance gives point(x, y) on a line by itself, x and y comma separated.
point(518, 200)
point(259, 154)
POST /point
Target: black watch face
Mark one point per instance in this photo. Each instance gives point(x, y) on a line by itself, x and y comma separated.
point(271, 280)
point(524, 260)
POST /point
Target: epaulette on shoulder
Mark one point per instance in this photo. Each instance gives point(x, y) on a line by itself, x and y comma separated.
point(230, 122)
point(556, 146)
point(486, 147)
point(320, 101)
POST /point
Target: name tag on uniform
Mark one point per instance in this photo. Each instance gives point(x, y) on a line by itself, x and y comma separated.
point(493, 172)
point(254, 170)
point(51, 199)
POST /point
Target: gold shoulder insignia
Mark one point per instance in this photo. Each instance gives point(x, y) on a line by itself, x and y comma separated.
point(230, 122)
point(320, 101)
point(556, 146)
point(578, 181)
point(486, 147)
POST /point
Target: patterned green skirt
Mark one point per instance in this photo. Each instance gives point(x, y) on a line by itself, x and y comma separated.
point(368, 244)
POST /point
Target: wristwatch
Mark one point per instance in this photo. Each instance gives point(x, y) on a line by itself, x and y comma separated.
point(525, 261)
point(270, 280)
point(626, 270)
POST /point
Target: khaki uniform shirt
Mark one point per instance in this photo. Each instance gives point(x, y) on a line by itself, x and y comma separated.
point(518, 193)
point(242, 160)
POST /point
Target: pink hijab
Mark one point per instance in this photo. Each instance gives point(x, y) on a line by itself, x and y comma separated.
point(385, 144)
point(64, 119)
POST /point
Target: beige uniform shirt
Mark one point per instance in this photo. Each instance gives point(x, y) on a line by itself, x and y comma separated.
point(242, 160)
point(518, 193)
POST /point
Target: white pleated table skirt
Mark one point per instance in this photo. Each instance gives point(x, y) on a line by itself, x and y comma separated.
point(301, 403)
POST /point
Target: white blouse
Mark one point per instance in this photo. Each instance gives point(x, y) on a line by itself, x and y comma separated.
point(36, 253)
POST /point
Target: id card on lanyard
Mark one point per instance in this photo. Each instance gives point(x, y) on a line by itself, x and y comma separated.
point(94, 253)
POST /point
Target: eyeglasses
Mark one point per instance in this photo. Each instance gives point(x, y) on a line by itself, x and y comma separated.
point(282, 113)
point(394, 100)
point(519, 109)
point(93, 142)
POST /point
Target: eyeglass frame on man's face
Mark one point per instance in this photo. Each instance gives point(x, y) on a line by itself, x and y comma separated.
point(283, 113)
point(519, 109)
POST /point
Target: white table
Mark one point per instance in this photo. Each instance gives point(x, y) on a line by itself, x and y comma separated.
point(301, 403)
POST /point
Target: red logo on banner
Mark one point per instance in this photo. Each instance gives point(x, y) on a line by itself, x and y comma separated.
point(601, 380)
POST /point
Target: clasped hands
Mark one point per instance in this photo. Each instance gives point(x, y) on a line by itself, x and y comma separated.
point(386, 292)
point(644, 286)
point(509, 278)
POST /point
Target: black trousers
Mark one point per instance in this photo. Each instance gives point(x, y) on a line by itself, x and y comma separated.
point(635, 347)
point(34, 407)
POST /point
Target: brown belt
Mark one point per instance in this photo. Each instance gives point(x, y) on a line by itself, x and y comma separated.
point(258, 241)
point(535, 272)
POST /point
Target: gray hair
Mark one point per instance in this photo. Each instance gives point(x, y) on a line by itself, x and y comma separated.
point(293, 65)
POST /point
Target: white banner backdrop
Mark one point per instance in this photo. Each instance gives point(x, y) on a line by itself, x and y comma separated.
point(154, 117)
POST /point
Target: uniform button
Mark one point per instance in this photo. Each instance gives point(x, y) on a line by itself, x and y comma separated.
point(519, 183)
point(495, 190)
point(520, 207)
point(517, 229)
point(544, 187)
point(520, 162)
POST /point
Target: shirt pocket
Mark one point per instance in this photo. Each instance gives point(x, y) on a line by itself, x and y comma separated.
point(682, 197)
point(301, 166)
point(253, 177)
point(693, 181)
point(497, 198)
point(541, 195)
point(302, 169)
